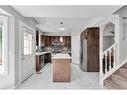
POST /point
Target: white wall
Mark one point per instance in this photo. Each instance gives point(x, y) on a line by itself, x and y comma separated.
point(123, 43)
point(75, 48)
point(12, 78)
point(108, 28)
point(107, 42)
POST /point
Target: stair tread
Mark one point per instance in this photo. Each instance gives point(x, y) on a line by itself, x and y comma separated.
point(123, 72)
point(110, 84)
point(123, 69)
point(120, 80)
point(124, 66)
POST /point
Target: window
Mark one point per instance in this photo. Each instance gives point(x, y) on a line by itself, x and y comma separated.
point(0, 44)
point(3, 45)
point(27, 43)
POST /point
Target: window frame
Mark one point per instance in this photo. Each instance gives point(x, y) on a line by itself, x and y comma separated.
point(31, 33)
point(4, 67)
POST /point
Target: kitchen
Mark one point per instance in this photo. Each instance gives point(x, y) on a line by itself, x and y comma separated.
point(54, 50)
point(61, 58)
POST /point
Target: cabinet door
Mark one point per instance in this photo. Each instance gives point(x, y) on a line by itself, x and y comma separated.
point(92, 50)
point(46, 41)
point(65, 41)
point(43, 40)
point(69, 41)
point(57, 38)
point(50, 42)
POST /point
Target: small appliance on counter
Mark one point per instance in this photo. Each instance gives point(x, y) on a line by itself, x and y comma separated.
point(40, 48)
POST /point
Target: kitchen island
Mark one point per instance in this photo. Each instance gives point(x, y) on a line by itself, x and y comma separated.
point(61, 67)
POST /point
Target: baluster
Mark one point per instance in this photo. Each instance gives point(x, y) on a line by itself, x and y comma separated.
point(108, 58)
point(106, 62)
point(112, 57)
point(114, 63)
point(103, 65)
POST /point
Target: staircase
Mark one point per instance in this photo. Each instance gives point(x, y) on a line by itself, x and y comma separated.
point(117, 80)
point(114, 74)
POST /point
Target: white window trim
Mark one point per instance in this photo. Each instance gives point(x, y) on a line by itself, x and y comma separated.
point(4, 69)
point(31, 33)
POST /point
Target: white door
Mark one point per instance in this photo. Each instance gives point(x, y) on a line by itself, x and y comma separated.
point(27, 56)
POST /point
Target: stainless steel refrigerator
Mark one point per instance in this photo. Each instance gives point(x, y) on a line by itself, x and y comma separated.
point(83, 54)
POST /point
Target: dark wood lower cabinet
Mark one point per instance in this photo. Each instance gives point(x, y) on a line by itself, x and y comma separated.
point(38, 63)
point(47, 58)
point(42, 60)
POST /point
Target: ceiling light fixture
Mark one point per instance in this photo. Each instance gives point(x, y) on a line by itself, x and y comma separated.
point(61, 28)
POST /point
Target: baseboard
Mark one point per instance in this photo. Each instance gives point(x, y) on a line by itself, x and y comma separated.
point(17, 85)
point(10, 88)
point(14, 86)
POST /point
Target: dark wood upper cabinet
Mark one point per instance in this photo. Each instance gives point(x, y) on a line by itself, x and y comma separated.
point(67, 41)
point(50, 39)
point(47, 41)
point(43, 40)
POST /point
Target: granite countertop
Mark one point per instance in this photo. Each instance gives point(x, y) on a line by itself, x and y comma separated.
point(41, 53)
point(61, 56)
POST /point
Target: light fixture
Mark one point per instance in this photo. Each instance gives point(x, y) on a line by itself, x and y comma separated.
point(61, 39)
point(61, 28)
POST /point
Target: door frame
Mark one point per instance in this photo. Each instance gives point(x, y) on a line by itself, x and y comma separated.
point(21, 25)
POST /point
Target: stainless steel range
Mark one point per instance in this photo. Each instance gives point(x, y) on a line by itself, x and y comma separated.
point(56, 47)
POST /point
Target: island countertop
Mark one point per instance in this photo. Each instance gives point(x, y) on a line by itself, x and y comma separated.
point(61, 56)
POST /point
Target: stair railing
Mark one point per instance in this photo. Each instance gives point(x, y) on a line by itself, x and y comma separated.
point(108, 59)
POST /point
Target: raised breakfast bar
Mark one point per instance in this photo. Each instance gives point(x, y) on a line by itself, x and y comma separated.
point(61, 67)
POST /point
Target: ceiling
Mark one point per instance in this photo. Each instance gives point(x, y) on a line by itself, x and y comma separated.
point(51, 26)
point(74, 18)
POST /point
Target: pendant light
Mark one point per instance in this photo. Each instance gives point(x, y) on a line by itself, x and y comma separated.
point(61, 38)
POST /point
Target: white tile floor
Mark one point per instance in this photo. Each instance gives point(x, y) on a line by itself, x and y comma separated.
point(80, 80)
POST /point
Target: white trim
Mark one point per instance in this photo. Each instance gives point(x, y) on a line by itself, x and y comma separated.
point(14, 86)
point(115, 19)
point(4, 20)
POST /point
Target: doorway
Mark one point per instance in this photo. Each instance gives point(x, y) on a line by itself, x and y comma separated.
point(26, 65)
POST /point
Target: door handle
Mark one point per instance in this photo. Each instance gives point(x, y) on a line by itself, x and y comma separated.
point(22, 57)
